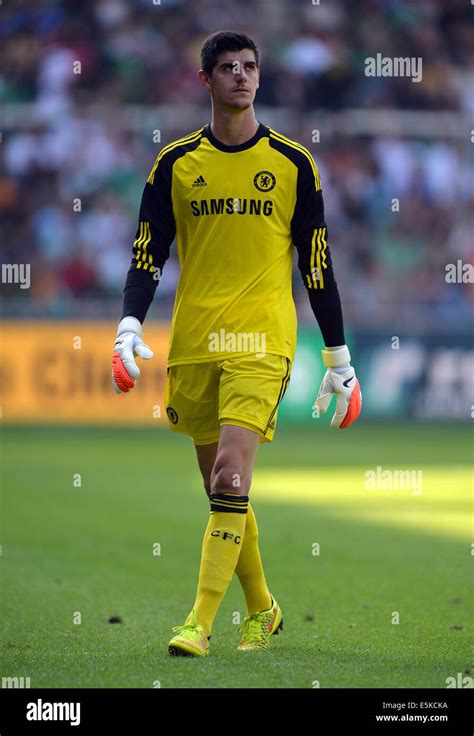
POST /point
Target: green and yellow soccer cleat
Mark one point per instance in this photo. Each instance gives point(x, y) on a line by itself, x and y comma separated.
point(190, 640)
point(257, 628)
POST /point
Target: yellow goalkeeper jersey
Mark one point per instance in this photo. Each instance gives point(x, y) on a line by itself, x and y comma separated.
point(237, 213)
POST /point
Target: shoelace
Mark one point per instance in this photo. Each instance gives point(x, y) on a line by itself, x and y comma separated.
point(252, 627)
point(192, 628)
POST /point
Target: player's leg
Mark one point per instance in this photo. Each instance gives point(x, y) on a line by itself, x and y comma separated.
point(251, 389)
point(230, 483)
point(191, 400)
point(232, 470)
point(249, 568)
point(206, 457)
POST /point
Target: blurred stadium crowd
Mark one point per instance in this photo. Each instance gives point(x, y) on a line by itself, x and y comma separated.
point(72, 166)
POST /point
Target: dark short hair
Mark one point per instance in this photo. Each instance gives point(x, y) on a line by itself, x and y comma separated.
point(221, 41)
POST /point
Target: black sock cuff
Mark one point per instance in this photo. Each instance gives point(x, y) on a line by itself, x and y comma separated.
point(229, 502)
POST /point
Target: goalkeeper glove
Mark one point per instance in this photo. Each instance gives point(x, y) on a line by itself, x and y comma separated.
point(339, 379)
point(128, 343)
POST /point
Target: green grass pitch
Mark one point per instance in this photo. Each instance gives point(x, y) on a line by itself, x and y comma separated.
point(89, 550)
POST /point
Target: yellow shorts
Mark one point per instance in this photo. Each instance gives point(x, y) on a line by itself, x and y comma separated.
point(244, 391)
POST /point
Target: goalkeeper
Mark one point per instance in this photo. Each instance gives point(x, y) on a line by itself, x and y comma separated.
point(238, 196)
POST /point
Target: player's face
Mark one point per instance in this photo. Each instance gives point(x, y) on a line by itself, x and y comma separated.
point(235, 79)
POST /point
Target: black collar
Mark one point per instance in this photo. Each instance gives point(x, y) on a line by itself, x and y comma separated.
point(259, 133)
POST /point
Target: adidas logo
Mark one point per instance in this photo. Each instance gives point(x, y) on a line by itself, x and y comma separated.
point(200, 182)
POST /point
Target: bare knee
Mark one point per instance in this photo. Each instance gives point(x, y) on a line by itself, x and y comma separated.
point(230, 477)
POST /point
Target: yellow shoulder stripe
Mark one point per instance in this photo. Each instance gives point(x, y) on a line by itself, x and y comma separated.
point(299, 147)
point(181, 141)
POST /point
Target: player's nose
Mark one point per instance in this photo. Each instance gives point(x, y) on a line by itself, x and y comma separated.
point(241, 74)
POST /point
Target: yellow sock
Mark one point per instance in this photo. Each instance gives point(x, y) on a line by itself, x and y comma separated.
point(249, 568)
point(220, 551)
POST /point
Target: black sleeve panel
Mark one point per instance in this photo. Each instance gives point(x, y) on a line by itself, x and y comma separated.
point(326, 306)
point(151, 248)
point(309, 233)
point(136, 301)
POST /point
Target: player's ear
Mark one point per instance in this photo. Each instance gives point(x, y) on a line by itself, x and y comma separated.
point(204, 79)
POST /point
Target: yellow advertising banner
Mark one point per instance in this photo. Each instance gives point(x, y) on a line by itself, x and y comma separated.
point(60, 372)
